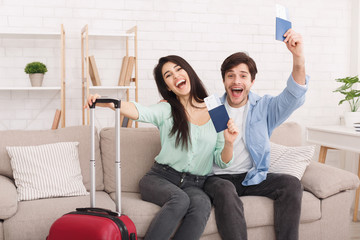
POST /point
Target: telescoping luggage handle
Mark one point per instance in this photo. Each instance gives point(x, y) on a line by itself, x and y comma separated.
point(117, 105)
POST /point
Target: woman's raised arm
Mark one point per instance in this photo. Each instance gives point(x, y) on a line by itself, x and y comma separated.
point(127, 109)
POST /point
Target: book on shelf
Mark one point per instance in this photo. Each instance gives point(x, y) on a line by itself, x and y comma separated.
point(125, 121)
point(56, 120)
point(123, 71)
point(129, 71)
point(357, 126)
point(94, 74)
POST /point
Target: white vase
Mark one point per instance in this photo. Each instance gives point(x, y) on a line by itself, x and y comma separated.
point(350, 118)
point(36, 79)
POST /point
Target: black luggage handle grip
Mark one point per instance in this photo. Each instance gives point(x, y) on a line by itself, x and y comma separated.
point(103, 210)
point(117, 102)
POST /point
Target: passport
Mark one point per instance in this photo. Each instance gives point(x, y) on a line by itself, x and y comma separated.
point(282, 26)
point(282, 22)
point(219, 117)
point(217, 112)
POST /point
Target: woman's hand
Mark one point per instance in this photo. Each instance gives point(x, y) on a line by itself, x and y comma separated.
point(231, 133)
point(92, 98)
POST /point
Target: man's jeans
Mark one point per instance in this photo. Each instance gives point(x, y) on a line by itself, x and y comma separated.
point(182, 201)
point(285, 190)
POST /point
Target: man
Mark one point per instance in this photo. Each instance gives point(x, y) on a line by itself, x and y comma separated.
point(257, 117)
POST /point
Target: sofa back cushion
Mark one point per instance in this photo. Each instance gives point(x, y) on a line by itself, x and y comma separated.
point(288, 134)
point(139, 147)
point(79, 134)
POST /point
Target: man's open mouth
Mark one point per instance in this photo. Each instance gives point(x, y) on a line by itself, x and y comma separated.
point(237, 91)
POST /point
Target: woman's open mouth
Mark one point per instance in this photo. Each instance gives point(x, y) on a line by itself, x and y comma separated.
point(181, 83)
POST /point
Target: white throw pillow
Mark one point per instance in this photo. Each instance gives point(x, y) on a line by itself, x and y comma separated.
point(45, 171)
point(290, 160)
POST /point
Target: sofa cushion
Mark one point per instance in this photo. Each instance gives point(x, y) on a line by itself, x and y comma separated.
point(49, 170)
point(290, 160)
point(288, 134)
point(8, 196)
point(139, 147)
point(44, 212)
point(310, 208)
point(323, 180)
point(79, 134)
point(259, 211)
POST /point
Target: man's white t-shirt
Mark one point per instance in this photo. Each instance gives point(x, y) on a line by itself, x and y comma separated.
point(242, 160)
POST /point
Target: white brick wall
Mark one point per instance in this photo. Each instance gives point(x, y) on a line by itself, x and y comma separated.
point(202, 31)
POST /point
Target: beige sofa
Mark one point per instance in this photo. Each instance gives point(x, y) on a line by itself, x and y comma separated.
point(326, 201)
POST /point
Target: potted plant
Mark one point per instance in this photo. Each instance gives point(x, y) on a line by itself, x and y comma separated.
point(36, 71)
point(352, 96)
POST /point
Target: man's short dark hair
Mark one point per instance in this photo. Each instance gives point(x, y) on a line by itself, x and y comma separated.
point(236, 59)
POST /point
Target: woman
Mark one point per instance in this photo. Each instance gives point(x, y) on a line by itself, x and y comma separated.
point(189, 143)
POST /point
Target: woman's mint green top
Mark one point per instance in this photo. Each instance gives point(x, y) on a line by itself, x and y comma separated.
point(205, 148)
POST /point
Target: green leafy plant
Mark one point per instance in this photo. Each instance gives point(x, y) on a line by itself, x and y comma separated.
point(351, 95)
point(35, 67)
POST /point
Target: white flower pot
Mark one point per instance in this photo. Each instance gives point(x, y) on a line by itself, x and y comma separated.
point(36, 79)
point(350, 118)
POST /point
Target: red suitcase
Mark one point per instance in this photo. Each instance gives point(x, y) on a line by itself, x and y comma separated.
point(97, 223)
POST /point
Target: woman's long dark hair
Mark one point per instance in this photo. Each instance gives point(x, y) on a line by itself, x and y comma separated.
point(197, 92)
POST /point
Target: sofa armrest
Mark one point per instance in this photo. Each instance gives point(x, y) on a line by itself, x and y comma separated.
point(8, 198)
point(323, 180)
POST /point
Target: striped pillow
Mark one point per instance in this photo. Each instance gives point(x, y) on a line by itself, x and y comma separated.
point(45, 171)
point(290, 160)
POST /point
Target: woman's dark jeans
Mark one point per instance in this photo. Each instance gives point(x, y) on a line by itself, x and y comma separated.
point(185, 207)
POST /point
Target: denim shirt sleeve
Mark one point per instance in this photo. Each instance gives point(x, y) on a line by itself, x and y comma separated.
point(266, 113)
point(296, 89)
point(283, 105)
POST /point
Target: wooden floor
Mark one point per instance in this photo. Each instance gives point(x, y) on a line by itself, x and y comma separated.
point(355, 230)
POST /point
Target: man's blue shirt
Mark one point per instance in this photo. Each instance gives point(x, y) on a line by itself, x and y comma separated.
point(264, 115)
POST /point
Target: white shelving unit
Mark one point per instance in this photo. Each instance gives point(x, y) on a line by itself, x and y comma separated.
point(43, 35)
point(111, 87)
point(32, 35)
point(130, 34)
point(30, 88)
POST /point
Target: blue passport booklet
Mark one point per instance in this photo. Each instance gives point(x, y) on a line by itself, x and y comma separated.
point(281, 28)
point(218, 113)
point(282, 22)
